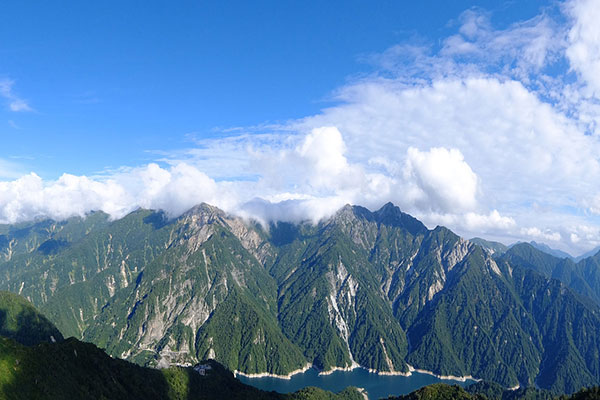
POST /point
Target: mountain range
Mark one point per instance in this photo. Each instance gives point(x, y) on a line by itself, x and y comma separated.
point(498, 248)
point(376, 289)
point(37, 362)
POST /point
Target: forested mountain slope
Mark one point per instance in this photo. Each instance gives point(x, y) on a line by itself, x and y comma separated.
point(376, 289)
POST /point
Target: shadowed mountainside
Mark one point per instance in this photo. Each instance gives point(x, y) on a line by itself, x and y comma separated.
point(34, 367)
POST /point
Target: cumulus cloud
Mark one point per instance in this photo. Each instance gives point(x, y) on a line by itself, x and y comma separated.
point(316, 175)
point(589, 235)
point(519, 146)
point(474, 223)
point(440, 180)
point(537, 233)
point(175, 190)
point(481, 223)
point(15, 103)
point(309, 179)
point(318, 162)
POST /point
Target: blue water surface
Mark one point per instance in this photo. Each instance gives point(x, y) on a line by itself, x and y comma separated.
point(377, 386)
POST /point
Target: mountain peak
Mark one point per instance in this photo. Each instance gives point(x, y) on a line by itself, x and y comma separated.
point(388, 205)
point(549, 250)
point(204, 210)
point(540, 248)
point(490, 246)
point(391, 214)
point(389, 209)
point(350, 212)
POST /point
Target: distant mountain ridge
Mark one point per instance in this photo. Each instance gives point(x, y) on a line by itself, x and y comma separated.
point(588, 254)
point(376, 289)
point(498, 248)
point(491, 246)
point(549, 250)
point(583, 277)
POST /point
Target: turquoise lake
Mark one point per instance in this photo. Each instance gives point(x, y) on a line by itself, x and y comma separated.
point(377, 386)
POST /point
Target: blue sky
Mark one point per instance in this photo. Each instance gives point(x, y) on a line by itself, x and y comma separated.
point(109, 81)
point(480, 115)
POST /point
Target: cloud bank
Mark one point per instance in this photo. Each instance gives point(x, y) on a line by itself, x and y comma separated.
point(495, 133)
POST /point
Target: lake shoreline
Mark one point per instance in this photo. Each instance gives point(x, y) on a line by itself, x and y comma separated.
point(372, 384)
point(410, 372)
point(442, 377)
point(237, 373)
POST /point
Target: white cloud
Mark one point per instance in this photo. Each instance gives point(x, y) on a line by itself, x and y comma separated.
point(537, 233)
point(227, 157)
point(520, 147)
point(315, 165)
point(574, 238)
point(492, 221)
point(471, 223)
point(324, 149)
point(523, 48)
point(19, 105)
point(15, 103)
point(175, 190)
point(308, 180)
point(292, 210)
point(440, 180)
point(583, 51)
point(587, 234)
point(593, 204)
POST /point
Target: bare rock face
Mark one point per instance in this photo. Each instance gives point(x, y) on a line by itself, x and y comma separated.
point(352, 222)
point(456, 254)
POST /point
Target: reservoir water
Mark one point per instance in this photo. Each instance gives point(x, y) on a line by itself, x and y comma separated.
point(377, 386)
